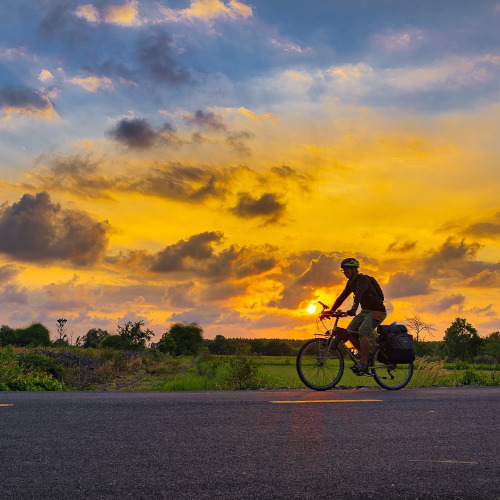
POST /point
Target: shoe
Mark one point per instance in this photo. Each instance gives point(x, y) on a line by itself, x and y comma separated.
point(360, 369)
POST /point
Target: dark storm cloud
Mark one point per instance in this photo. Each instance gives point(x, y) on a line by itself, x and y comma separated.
point(196, 256)
point(485, 229)
point(205, 120)
point(176, 257)
point(268, 206)
point(405, 246)
point(34, 229)
point(323, 271)
point(454, 258)
point(23, 98)
point(403, 284)
point(183, 183)
point(181, 295)
point(448, 302)
point(12, 294)
point(8, 272)
point(137, 133)
point(157, 59)
point(78, 174)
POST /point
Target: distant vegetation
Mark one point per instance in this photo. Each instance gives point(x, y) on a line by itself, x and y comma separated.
point(183, 359)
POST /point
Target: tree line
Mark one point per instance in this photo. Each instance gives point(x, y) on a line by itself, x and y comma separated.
point(461, 340)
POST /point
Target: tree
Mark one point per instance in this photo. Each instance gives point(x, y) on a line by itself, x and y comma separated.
point(133, 336)
point(221, 345)
point(61, 332)
point(182, 339)
point(113, 342)
point(491, 345)
point(94, 338)
point(418, 325)
point(461, 340)
point(7, 335)
point(36, 334)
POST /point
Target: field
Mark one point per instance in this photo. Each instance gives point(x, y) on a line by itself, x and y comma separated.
point(150, 370)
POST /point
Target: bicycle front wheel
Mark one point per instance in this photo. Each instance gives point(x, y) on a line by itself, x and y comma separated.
point(318, 369)
point(389, 375)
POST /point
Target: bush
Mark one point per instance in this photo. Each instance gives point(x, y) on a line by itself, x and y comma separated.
point(243, 372)
point(16, 376)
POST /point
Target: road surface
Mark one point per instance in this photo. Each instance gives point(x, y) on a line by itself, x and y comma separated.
point(284, 444)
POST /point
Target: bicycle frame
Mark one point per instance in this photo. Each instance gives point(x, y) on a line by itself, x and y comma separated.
point(331, 335)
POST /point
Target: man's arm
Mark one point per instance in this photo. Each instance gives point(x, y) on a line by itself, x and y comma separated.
point(341, 298)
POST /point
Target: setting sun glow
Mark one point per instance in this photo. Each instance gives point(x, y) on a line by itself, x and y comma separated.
point(311, 309)
point(207, 161)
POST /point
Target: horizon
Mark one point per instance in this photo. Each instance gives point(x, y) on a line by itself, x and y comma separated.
point(213, 161)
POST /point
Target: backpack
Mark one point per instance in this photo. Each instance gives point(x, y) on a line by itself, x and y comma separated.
point(396, 343)
point(376, 287)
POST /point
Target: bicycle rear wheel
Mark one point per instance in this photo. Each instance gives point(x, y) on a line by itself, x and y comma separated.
point(389, 375)
point(319, 370)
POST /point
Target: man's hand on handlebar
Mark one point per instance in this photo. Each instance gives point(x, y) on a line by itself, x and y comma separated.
point(326, 314)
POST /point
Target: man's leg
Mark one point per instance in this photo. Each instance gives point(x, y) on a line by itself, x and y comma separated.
point(372, 320)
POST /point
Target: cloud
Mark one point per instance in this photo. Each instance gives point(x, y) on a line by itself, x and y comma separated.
point(76, 174)
point(267, 206)
point(197, 257)
point(315, 270)
point(183, 254)
point(157, 61)
point(205, 120)
point(15, 53)
point(8, 272)
point(486, 229)
point(485, 278)
point(45, 75)
point(453, 257)
point(402, 284)
point(12, 294)
point(34, 229)
point(286, 46)
point(405, 246)
point(395, 41)
point(181, 295)
point(447, 302)
point(208, 10)
point(93, 83)
point(322, 272)
point(137, 133)
point(122, 15)
point(23, 101)
point(179, 182)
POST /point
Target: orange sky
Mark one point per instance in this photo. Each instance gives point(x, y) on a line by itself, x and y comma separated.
point(215, 161)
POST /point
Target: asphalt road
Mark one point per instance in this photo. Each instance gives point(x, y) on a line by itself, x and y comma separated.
point(341, 444)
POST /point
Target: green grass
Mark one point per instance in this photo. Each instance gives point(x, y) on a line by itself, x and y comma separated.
point(89, 369)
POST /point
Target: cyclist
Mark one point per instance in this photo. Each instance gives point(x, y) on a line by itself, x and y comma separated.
point(369, 295)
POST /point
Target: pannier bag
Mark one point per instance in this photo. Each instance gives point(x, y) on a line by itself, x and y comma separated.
point(397, 343)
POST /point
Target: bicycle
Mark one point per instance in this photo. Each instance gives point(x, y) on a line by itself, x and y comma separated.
point(321, 366)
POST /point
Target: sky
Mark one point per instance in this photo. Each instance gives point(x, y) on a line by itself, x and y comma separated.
point(213, 161)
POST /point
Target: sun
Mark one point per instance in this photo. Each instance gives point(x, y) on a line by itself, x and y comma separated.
point(311, 308)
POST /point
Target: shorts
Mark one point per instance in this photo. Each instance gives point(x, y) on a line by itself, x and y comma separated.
point(364, 324)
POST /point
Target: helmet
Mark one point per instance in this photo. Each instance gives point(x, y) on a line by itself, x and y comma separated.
point(350, 262)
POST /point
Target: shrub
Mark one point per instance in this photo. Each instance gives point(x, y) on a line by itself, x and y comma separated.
point(243, 372)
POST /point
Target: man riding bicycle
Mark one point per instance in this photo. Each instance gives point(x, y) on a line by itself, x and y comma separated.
point(369, 295)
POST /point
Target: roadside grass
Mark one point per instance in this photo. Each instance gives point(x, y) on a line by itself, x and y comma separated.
point(72, 368)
